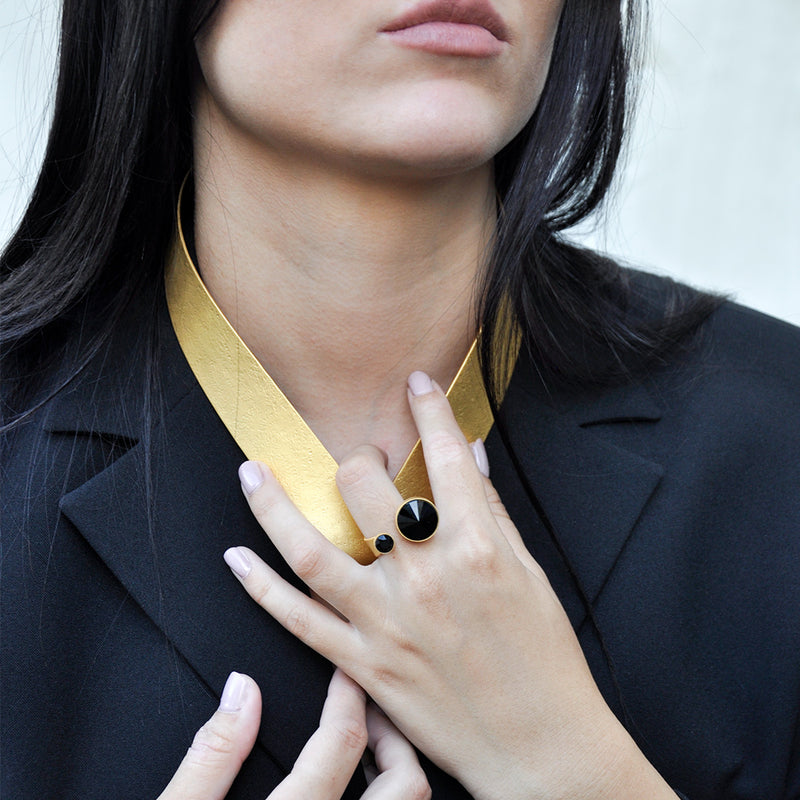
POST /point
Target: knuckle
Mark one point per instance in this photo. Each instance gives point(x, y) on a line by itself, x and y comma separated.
point(259, 590)
point(417, 786)
point(496, 506)
point(383, 675)
point(479, 555)
point(445, 448)
point(357, 467)
point(405, 648)
point(211, 743)
point(408, 652)
point(298, 622)
point(352, 733)
point(308, 562)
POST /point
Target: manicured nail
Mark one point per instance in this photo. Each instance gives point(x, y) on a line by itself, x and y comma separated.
point(251, 476)
point(238, 561)
point(419, 383)
point(481, 459)
point(234, 693)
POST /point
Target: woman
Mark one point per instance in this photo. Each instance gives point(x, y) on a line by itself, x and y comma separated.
point(372, 185)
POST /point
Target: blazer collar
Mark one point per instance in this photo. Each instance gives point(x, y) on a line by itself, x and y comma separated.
point(163, 538)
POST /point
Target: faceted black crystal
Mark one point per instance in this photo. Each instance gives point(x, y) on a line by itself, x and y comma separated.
point(384, 543)
point(417, 519)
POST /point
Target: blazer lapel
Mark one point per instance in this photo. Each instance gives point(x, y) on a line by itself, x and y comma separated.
point(591, 489)
point(163, 539)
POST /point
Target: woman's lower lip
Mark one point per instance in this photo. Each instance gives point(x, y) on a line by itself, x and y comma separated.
point(449, 38)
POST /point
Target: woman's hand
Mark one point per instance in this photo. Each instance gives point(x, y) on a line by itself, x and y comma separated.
point(324, 768)
point(460, 639)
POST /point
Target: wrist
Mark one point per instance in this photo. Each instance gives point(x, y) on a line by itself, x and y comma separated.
point(616, 769)
point(598, 762)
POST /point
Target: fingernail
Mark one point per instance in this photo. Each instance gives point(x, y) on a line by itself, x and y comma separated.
point(250, 475)
point(234, 693)
point(238, 561)
point(419, 383)
point(481, 459)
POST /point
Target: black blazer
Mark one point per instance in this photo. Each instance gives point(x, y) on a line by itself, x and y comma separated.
point(676, 500)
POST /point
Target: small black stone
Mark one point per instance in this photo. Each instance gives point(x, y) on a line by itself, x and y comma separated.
point(384, 543)
point(417, 519)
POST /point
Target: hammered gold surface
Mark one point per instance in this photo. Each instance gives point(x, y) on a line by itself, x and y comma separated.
point(265, 424)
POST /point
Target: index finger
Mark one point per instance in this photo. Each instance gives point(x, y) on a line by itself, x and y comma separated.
point(330, 572)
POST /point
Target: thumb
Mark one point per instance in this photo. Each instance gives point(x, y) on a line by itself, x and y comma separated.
point(220, 746)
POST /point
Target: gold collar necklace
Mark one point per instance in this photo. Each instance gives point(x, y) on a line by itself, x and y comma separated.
point(268, 428)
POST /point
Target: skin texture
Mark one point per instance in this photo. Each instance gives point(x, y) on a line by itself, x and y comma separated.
point(338, 171)
point(319, 80)
point(438, 632)
point(344, 205)
point(347, 726)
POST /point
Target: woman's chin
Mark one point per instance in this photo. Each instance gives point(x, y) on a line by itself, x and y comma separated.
point(427, 152)
point(439, 140)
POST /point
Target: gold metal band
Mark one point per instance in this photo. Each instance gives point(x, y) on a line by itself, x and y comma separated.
point(265, 424)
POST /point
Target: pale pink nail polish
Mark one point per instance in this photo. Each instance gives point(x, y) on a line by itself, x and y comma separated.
point(238, 561)
point(251, 477)
point(419, 383)
point(234, 693)
point(481, 459)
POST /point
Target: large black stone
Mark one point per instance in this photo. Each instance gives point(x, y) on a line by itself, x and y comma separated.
point(417, 519)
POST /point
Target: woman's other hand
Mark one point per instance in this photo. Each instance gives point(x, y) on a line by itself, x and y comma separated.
point(460, 639)
point(326, 763)
point(220, 747)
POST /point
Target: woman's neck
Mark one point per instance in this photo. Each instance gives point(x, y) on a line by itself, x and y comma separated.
point(342, 286)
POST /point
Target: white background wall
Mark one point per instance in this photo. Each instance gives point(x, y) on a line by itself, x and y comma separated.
point(711, 192)
point(28, 41)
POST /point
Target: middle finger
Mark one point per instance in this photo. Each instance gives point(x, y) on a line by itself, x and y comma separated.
point(456, 481)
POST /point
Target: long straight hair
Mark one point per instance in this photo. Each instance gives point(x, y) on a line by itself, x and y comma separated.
point(102, 211)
